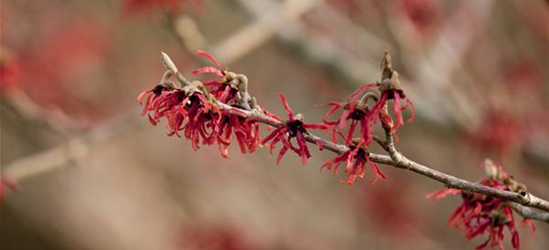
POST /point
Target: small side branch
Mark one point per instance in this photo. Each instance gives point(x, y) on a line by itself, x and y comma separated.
point(529, 213)
point(169, 65)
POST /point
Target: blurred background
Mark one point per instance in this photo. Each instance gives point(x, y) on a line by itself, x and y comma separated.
point(93, 174)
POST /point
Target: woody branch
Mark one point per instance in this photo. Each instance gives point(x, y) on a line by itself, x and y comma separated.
point(523, 201)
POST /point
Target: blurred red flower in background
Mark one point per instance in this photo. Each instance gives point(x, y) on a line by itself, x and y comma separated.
point(499, 133)
point(388, 208)
point(9, 71)
point(61, 60)
point(6, 186)
point(349, 6)
point(221, 237)
point(522, 75)
point(148, 6)
point(423, 14)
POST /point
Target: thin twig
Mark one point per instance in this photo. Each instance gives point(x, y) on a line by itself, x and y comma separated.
point(72, 151)
point(405, 163)
point(262, 30)
point(529, 213)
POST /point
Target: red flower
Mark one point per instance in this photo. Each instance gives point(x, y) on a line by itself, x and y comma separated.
point(397, 95)
point(356, 111)
point(479, 214)
point(293, 128)
point(356, 159)
point(5, 186)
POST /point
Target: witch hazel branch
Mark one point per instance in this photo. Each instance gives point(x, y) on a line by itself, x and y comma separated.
point(222, 111)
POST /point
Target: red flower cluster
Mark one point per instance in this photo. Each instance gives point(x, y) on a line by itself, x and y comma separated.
point(200, 120)
point(357, 111)
point(398, 96)
point(479, 214)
